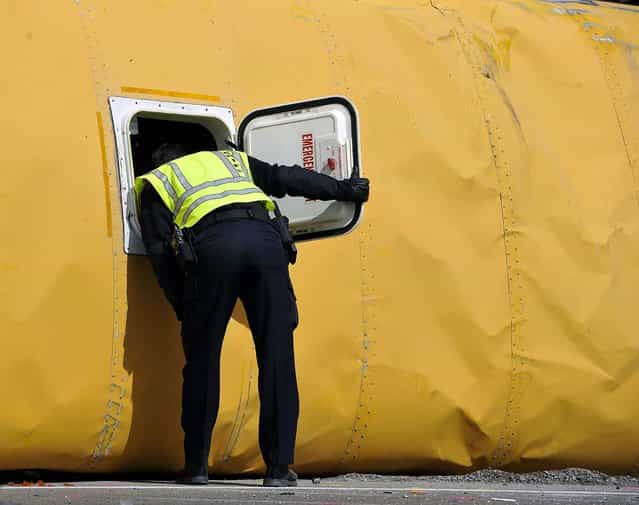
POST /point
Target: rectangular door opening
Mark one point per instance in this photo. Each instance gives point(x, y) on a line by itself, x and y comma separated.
point(142, 125)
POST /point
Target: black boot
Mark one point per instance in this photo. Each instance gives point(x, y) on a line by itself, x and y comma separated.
point(280, 476)
point(194, 474)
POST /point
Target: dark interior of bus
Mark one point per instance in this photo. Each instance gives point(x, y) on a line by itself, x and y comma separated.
point(152, 132)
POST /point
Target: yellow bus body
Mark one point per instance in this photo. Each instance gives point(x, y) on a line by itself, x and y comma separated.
point(484, 312)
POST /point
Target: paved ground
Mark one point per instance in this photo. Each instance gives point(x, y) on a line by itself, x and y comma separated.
point(485, 488)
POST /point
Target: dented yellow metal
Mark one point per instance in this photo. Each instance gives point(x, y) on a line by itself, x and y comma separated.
point(483, 313)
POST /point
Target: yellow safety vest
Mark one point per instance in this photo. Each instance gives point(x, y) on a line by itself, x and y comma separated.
point(196, 184)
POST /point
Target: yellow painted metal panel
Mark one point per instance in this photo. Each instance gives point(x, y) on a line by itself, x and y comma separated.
point(481, 314)
point(56, 257)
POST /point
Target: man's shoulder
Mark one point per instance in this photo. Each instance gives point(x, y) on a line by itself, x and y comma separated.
point(149, 194)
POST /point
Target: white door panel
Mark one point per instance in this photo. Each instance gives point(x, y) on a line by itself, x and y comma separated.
point(319, 135)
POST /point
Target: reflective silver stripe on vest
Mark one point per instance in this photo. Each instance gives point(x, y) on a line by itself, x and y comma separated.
point(215, 196)
point(178, 173)
point(165, 182)
point(238, 158)
point(229, 166)
point(209, 184)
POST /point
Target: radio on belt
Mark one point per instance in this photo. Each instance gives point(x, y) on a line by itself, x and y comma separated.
point(330, 155)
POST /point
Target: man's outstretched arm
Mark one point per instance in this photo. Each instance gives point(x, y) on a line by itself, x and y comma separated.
point(280, 180)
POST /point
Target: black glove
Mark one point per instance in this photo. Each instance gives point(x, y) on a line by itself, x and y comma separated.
point(358, 189)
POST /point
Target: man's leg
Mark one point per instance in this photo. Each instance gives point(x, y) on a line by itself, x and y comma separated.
point(206, 316)
point(272, 313)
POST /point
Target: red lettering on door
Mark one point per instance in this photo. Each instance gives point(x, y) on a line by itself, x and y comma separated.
point(308, 151)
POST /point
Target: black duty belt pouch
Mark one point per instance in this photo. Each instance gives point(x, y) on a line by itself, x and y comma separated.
point(182, 243)
point(280, 223)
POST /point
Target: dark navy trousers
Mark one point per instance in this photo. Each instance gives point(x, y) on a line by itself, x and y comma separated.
point(245, 259)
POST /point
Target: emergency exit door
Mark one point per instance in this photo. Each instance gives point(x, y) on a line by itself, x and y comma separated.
point(319, 135)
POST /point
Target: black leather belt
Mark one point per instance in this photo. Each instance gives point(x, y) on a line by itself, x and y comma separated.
point(234, 211)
